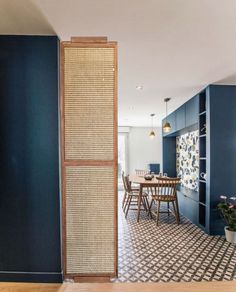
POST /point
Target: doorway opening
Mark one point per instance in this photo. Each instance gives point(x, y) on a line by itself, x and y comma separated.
point(122, 157)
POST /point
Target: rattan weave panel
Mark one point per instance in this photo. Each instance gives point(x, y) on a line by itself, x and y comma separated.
point(89, 103)
point(90, 219)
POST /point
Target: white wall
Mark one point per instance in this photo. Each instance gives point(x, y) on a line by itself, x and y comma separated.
point(142, 150)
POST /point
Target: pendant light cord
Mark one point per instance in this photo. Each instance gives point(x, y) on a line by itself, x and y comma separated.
point(166, 110)
point(166, 101)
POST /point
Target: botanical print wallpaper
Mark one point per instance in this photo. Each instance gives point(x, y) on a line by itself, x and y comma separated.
point(187, 159)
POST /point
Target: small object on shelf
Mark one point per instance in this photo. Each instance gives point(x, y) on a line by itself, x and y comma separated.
point(203, 129)
point(203, 175)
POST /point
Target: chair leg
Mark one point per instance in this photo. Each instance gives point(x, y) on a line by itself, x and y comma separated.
point(144, 204)
point(123, 201)
point(168, 208)
point(176, 215)
point(148, 206)
point(128, 205)
point(158, 211)
point(177, 208)
point(139, 202)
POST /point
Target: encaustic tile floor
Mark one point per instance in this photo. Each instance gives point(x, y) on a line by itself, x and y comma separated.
point(171, 252)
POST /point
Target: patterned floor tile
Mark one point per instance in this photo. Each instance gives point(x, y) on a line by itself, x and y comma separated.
point(170, 252)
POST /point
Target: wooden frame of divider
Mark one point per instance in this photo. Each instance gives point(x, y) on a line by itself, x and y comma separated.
point(88, 42)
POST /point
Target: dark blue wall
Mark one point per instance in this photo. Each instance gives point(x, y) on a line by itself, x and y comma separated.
point(222, 149)
point(29, 164)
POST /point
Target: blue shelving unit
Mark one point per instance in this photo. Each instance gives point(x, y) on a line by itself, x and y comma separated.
point(213, 113)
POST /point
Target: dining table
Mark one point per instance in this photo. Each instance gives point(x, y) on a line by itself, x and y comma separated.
point(143, 183)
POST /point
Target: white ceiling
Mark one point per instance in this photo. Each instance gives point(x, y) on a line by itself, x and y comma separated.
point(173, 48)
point(23, 17)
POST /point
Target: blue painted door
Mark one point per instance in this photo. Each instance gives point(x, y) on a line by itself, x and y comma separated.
point(192, 111)
point(180, 118)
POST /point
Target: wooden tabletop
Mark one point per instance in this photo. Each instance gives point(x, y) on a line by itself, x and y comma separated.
point(142, 181)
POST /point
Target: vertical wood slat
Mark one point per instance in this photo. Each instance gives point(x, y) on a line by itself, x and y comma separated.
point(89, 158)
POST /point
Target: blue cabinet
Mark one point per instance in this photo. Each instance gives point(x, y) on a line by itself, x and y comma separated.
point(184, 117)
point(180, 119)
point(192, 111)
point(215, 106)
point(188, 207)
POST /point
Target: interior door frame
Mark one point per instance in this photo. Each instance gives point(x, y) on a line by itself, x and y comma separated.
point(88, 42)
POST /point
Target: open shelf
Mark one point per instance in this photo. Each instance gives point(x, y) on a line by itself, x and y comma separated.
point(202, 125)
point(202, 99)
point(202, 215)
point(202, 146)
point(202, 166)
point(202, 159)
point(202, 192)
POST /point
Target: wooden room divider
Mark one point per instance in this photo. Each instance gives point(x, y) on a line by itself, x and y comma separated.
point(89, 158)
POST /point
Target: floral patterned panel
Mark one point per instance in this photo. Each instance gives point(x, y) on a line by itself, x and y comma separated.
point(187, 159)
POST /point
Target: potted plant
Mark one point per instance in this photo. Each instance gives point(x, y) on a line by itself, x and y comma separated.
point(227, 209)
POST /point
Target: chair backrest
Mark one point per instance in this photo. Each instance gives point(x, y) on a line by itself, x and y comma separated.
point(166, 188)
point(124, 181)
point(141, 172)
point(128, 184)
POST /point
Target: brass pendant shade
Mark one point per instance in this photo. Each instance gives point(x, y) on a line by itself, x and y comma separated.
point(166, 126)
point(152, 133)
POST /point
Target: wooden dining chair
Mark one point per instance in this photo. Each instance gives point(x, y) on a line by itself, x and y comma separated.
point(125, 191)
point(165, 191)
point(132, 198)
point(141, 172)
point(125, 197)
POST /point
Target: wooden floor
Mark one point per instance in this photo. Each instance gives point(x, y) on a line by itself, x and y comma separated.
point(228, 286)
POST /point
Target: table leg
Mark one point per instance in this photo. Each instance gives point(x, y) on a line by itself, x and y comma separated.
point(139, 201)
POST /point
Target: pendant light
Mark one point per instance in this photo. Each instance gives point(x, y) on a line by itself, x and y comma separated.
point(152, 133)
point(166, 126)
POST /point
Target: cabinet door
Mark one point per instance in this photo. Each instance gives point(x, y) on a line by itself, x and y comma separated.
point(188, 207)
point(171, 119)
point(180, 118)
point(192, 111)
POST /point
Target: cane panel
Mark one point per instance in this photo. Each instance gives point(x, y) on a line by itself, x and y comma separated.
point(89, 103)
point(90, 219)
